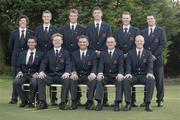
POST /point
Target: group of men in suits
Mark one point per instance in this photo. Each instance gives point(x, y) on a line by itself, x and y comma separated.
point(74, 55)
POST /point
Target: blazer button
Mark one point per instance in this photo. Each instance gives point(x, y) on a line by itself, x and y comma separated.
point(45, 45)
point(125, 45)
point(56, 67)
point(139, 69)
point(22, 48)
point(71, 44)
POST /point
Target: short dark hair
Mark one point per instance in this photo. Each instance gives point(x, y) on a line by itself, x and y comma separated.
point(33, 37)
point(46, 11)
point(83, 36)
point(97, 8)
point(22, 16)
point(126, 13)
point(152, 14)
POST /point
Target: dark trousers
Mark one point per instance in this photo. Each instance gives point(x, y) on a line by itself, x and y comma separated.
point(83, 80)
point(138, 79)
point(109, 79)
point(53, 79)
point(27, 78)
point(14, 95)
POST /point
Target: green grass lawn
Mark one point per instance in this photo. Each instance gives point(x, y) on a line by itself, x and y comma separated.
point(171, 110)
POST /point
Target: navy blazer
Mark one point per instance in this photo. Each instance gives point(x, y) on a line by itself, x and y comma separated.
point(114, 65)
point(85, 67)
point(98, 42)
point(24, 68)
point(155, 43)
point(59, 66)
point(125, 42)
point(44, 40)
point(71, 38)
point(16, 45)
point(139, 67)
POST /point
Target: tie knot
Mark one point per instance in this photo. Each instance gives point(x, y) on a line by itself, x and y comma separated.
point(22, 31)
point(82, 53)
point(125, 29)
point(139, 52)
point(32, 53)
point(97, 24)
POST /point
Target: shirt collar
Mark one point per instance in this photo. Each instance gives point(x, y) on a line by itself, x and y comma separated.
point(20, 29)
point(149, 28)
point(57, 49)
point(29, 51)
point(45, 25)
point(95, 22)
point(126, 27)
point(83, 51)
point(75, 24)
point(111, 50)
point(137, 50)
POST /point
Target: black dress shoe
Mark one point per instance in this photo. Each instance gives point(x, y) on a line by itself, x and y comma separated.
point(133, 104)
point(148, 108)
point(99, 107)
point(160, 104)
point(31, 105)
point(89, 105)
point(42, 105)
point(74, 105)
point(23, 104)
point(63, 106)
point(142, 105)
point(127, 107)
point(13, 102)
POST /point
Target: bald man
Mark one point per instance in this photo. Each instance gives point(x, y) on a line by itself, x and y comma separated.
point(139, 70)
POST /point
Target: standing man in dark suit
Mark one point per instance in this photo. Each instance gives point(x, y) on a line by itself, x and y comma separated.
point(125, 37)
point(18, 43)
point(45, 31)
point(57, 61)
point(28, 67)
point(97, 32)
point(71, 33)
point(155, 38)
point(43, 34)
point(110, 71)
point(84, 65)
point(139, 69)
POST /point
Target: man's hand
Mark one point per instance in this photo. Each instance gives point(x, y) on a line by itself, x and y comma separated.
point(119, 77)
point(92, 76)
point(128, 76)
point(65, 75)
point(149, 75)
point(41, 75)
point(74, 76)
point(100, 76)
point(35, 75)
point(19, 75)
point(98, 53)
point(125, 55)
point(154, 58)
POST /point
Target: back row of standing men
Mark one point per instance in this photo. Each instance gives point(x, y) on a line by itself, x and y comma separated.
point(97, 33)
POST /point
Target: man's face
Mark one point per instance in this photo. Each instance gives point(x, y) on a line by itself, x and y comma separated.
point(151, 20)
point(57, 41)
point(110, 43)
point(46, 17)
point(83, 43)
point(97, 14)
point(22, 23)
point(31, 44)
point(126, 19)
point(73, 17)
point(139, 42)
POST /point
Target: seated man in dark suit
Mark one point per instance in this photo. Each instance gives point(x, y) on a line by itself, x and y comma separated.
point(28, 67)
point(55, 69)
point(110, 71)
point(84, 65)
point(139, 69)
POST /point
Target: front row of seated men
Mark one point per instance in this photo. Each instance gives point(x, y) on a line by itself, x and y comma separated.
point(57, 67)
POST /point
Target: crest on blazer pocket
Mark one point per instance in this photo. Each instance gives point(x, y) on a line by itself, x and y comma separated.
point(131, 38)
point(104, 34)
point(156, 40)
point(144, 60)
point(115, 62)
point(62, 60)
point(89, 62)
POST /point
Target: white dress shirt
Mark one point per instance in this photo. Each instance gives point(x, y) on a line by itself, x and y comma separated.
point(29, 53)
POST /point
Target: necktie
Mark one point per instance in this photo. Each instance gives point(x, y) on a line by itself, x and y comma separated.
point(56, 54)
point(151, 31)
point(97, 28)
point(110, 53)
point(46, 29)
point(22, 36)
point(30, 61)
point(82, 56)
point(72, 27)
point(125, 30)
point(139, 54)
